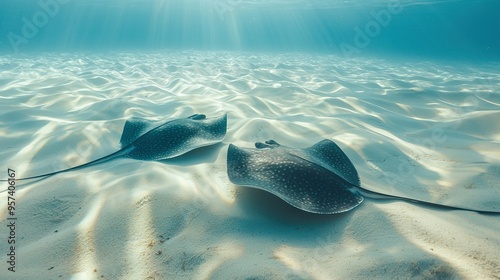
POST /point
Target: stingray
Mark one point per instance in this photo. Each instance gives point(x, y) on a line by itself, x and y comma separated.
point(152, 141)
point(319, 179)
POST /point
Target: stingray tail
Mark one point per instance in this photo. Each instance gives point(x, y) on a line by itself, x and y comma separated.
point(376, 195)
point(97, 161)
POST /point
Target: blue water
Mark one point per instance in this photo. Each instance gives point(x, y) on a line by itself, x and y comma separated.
point(457, 30)
point(377, 77)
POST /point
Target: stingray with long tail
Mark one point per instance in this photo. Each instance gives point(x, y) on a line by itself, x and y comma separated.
point(147, 140)
point(318, 179)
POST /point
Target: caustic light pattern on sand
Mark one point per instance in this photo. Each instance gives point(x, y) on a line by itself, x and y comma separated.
point(146, 140)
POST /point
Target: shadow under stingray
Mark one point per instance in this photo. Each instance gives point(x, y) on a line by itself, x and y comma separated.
point(258, 202)
point(207, 154)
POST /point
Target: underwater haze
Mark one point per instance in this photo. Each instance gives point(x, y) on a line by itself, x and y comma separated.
point(460, 29)
point(408, 90)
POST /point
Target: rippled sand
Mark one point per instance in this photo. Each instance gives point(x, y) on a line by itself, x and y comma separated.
point(419, 129)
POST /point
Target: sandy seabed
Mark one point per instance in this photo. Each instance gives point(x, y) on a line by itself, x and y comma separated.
point(424, 130)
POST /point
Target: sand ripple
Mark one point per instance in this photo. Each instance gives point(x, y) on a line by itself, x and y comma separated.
point(419, 129)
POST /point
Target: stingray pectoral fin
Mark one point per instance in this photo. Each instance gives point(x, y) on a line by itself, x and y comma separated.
point(237, 168)
point(135, 128)
point(213, 128)
point(339, 201)
point(311, 189)
point(327, 154)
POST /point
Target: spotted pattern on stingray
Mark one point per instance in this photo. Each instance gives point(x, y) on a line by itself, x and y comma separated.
point(317, 179)
point(147, 140)
point(173, 138)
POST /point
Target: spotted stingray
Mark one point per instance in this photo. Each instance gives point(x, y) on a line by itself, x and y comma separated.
point(318, 179)
point(147, 140)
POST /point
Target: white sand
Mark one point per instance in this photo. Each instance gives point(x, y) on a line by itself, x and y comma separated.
point(423, 130)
